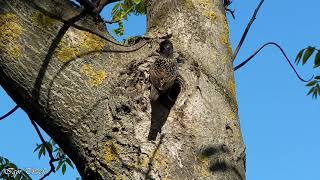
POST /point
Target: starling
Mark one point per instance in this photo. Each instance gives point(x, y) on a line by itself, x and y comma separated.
point(163, 71)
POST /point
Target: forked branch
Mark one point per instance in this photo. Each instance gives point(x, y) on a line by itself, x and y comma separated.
point(244, 35)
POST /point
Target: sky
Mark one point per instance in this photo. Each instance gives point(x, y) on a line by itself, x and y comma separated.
point(280, 124)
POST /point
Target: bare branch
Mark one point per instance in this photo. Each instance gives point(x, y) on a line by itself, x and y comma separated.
point(246, 30)
point(52, 159)
point(53, 16)
point(95, 8)
point(110, 22)
point(87, 4)
point(102, 3)
point(283, 53)
point(9, 113)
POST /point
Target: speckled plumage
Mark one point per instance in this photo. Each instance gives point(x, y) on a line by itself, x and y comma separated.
point(163, 71)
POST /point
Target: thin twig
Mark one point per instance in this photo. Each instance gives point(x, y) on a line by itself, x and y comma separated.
point(87, 4)
point(246, 31)
point(9, 113)
point(52, 159)
point(283, 53)
point(110, 22)
point(102, 3)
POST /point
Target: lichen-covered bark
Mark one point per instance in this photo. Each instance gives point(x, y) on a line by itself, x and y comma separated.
point(91, 95)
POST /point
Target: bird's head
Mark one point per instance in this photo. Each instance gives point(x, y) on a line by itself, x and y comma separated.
point(166, 48)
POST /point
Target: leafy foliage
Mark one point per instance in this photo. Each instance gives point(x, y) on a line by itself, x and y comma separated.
point(10, 171)
point(62, 159)
point(123, 9)
point(304, 55)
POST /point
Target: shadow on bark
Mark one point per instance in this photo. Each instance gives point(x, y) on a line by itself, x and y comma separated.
point(218, 163)
point(42, 71)
point(52, 48)
point(160, 110)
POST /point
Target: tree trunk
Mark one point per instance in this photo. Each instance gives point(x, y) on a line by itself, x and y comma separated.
point(91, 95)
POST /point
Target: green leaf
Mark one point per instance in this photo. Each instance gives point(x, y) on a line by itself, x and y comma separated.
point(49, 146)
point(18, 176)
point(315, 94)
point(119, 31)
point(12, 165)
point(312, 83)
point(299, 55)
point(38, 146)
point(41, 151)
point(317, 60)
point(59, 164)
point(317, 77)
point(64, 168)
point(69, 162)
point(307, 54)
point(136, 1)
point(140, 9)
point(115, 8)
point(311, 90)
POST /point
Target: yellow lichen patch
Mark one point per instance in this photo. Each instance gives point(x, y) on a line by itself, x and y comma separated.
point(224, 39)
point(206, 7)
point(10, 31)
point(96, 77)
point(225, 24)
point(161, 162)
point(205, 4)
point(76, 42)
point(68, 53)
point(42, 21)
point(111, 152)
point(143, 161)
point(210, 15)
point(231, 116)
point(69, 46)
point(91, 42)
point(119, 176)
point(203, 167)
point(232, 88)
point(230, 49)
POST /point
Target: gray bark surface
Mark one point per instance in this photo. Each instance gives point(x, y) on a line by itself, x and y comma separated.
point(91, 95)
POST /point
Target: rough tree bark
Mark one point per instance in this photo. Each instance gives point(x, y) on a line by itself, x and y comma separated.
point(91, 95)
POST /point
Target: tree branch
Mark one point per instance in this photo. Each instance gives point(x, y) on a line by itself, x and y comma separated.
point(53, 16)
point(87, 4)
point(110, 22)
point(95, 8)
point(244, 35)
point(52, 159)
point(102, 3)
point(283, 53)
point(9, 113)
